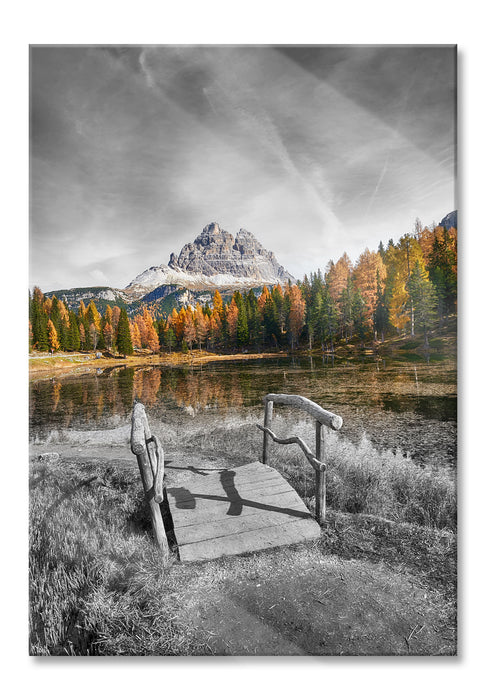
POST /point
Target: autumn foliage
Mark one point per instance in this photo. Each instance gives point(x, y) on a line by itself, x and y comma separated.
point(402, 288)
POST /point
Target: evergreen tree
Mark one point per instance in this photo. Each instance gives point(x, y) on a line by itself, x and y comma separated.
point(346, 311)
point(169, 337)
point(442, 268)
point(253, 317)
point(74, 340)
point(271, 326)
point(39, 320)
point(381, 312)
point(242, 321)
point(360, 315)
point(123, 339)
point(329, 318)
point(424, 299)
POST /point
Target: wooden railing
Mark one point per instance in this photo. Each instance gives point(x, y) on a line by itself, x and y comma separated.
point(322, 417)
point(150, 458)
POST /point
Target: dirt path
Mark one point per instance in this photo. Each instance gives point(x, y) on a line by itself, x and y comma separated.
point(298, 601)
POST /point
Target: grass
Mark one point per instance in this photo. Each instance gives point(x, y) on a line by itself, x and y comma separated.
point(97, 587)
point(360, 478)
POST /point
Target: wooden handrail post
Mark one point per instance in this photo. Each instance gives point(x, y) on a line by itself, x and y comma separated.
point(320, 477)
point(140, 434)
point(322, 418)
point(267, 424)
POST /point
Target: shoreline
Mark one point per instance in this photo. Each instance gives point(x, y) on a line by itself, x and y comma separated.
point(45, 366)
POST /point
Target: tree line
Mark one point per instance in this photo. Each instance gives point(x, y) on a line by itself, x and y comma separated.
point(404, 288)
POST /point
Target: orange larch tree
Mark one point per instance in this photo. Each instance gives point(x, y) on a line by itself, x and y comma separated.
point(52, 336)
point(189, 330)
point(232, 319)
point(296, 314)
point(201, 324)
point(365, 275)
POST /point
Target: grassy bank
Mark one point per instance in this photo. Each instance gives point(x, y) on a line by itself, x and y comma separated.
point(44, 365)
point(97, 586)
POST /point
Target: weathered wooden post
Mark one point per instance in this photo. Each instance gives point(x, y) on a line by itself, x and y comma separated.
point(320, 477)
point(322, 418)
point(267, 423)
point(152, 475)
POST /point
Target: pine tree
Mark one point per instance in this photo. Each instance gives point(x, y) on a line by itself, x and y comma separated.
point(329, 318)
point(39, 320)
point(424, 299)
point(74, 339)
point(271, 326)
point(123, 339)
point(313, 313)
point(381, 312)
point(169, 337)
point(360, 315)
point(252, 315)
point(242, 321)
point(346, 310)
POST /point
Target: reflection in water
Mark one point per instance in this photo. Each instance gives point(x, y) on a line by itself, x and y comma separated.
point(384, 398)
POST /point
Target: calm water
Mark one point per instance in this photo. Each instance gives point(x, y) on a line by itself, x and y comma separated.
point(410, 405)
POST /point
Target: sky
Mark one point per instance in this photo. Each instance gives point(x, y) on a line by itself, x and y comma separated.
point(317, 150)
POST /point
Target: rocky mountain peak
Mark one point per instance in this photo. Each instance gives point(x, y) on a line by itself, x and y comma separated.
point(216, 259)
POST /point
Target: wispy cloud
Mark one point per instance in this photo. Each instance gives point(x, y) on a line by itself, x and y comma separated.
point(135, 149)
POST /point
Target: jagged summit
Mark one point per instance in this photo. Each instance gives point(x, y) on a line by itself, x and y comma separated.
point(215, 259)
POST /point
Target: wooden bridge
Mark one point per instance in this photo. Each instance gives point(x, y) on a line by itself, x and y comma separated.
point(237, 510)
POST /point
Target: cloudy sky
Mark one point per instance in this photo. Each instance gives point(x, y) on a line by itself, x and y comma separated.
point(315, 150)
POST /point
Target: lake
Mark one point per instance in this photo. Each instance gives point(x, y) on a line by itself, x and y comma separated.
point(400, 404)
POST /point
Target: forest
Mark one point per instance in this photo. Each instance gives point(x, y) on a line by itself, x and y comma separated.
point(406, 288)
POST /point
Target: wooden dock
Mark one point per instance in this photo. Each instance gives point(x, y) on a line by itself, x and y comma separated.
point(234, 511)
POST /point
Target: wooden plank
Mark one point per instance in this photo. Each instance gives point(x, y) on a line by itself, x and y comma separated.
point(209, 509)
point(218, 487)
point(183, 495)
point(285, 503)
point(264, 538)
point(212, 530)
